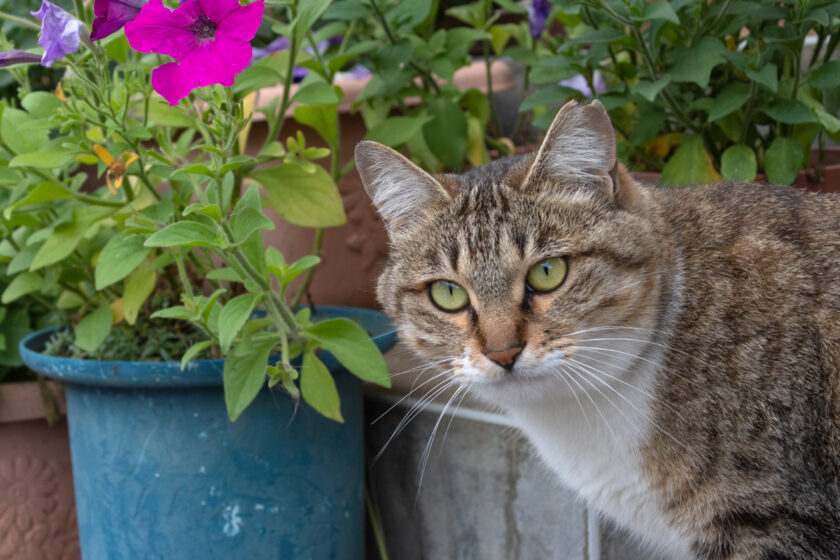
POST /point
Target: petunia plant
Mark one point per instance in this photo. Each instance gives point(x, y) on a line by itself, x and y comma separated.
point(130, 205)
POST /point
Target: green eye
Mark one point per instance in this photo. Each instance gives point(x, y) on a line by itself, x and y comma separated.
point(449, 296)
point(547, 275)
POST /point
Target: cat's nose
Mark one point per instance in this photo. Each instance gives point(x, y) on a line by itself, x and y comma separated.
point(504, 358)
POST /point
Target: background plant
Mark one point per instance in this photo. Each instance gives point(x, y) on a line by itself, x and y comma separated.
point(712, 89)
point(180, 198)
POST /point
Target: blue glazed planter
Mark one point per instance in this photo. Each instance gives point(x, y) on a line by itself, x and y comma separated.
point(161, 473)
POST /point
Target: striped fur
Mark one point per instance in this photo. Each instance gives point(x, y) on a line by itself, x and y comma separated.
point(684, 378)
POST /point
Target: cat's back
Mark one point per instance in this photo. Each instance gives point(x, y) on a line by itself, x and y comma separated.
point(756, 355)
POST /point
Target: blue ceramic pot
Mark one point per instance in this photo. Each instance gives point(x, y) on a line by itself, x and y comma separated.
point(161, 473)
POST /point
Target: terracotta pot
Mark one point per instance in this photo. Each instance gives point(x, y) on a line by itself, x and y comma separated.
point(355, 252)
point(37, 509)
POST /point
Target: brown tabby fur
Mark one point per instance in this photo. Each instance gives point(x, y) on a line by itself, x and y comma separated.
point(746, 388)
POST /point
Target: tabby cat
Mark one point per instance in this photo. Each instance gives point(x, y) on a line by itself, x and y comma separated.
point(673, 354)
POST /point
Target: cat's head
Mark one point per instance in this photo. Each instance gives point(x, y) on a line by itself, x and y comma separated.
point(510, 269)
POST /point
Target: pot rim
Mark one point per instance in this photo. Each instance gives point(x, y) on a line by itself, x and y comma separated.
point(197, 373)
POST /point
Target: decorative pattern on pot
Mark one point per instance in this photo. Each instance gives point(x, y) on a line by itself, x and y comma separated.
point(34, 524)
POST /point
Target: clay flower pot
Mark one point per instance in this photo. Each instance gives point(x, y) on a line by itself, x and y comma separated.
point(355, 252)
point(37, 511)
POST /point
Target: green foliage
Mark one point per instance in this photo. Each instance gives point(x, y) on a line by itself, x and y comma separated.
point(724, 72)
point(115, 205)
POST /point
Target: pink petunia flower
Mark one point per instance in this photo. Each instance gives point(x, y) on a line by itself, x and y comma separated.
point(209, 39)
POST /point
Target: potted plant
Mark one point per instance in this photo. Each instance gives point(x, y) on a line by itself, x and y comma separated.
point(168, 261)
point(701, 93)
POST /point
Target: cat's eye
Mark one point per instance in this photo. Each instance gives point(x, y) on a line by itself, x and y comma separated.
point(447, 295)
point(547, 275)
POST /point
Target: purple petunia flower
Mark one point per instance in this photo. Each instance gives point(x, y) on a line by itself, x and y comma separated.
point(18, 57)
point(537, 15)
point(59, 32)
point(579, 83)
point(112, 15)
point(209, 39)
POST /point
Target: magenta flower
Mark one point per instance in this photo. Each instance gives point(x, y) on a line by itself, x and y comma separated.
point(59, 32)
point(209, 39)
point(112, 15)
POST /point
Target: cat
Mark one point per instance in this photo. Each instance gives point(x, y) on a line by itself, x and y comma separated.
point(672, 354)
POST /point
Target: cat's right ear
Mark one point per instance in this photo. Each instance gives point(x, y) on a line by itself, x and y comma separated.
point(401, 191)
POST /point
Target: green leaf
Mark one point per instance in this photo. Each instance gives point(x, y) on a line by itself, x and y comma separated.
point(93, 329)
point(318, 93)
point(829, 122)
point(659, 10)
point(767, 76)
point(729, 100)
point(446, 132)
point(302, 198)
point(164, 115)
point(180, 234)
point(46, 159)
point(826, 76)
point(23, 260)
point(42, 193)
point(318, 387)
point(262, 73)
point(551, 95)
point(174, 312)
point(233, 316)
point(323, 118)
point(352, 346)
point(783, 160)
point(695, 64)
point(244, 375)
point(606, 35)
point(299, 267)
point(193, 351)
point(206, 209)
point(22, 284)
point(138, 287)
point(235, 163)
point(246, 221)
point(649, 90)
point(790, 111)
point(395, 131)
point(196, 169)
point(738, 163)
point(690, 165)
point(67, 236)
point(308, 12)
point(22, 132)
point(120, 256)
point(41, 103)
point(225, 274)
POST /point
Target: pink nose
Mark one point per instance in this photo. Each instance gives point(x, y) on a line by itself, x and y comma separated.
point(504, 358)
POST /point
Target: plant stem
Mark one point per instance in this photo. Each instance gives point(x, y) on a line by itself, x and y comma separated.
point(20, 21)
point(425, 75)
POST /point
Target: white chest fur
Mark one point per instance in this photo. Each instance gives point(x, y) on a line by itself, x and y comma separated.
point(593, 444)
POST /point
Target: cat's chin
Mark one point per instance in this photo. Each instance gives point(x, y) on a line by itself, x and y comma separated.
point(517, 387)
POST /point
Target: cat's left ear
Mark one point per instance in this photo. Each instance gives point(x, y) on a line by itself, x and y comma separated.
point(402, 192)
point(578, 151)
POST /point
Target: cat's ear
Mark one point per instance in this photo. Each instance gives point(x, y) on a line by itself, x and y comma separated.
point(401, 191)
point(578, 151)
